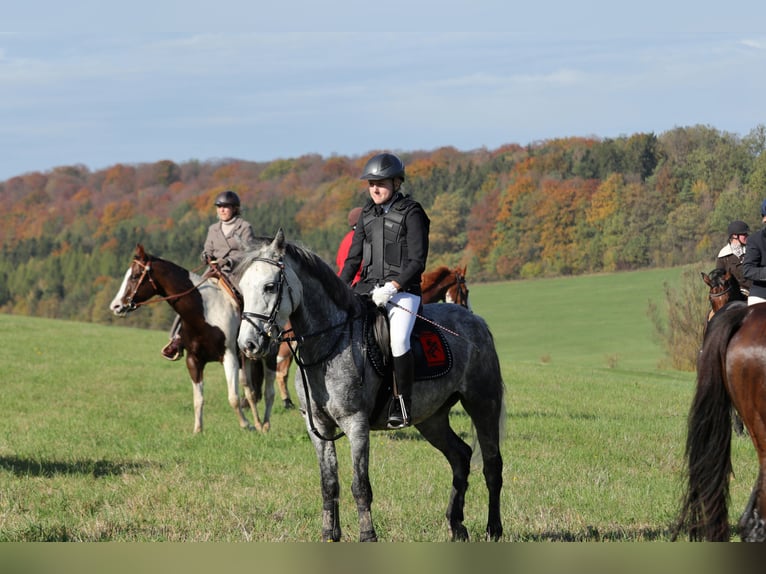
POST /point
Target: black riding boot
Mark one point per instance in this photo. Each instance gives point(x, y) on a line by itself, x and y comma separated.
point(399, 415)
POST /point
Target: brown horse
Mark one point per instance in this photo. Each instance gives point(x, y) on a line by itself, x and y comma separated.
point(445, 284)
point(731, 372)
point(209, 322)
point(724, 288)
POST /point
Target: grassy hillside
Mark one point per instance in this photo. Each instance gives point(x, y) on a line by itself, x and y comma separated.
point(96, 442)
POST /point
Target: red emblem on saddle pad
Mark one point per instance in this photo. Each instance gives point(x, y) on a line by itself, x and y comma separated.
point(433, 349)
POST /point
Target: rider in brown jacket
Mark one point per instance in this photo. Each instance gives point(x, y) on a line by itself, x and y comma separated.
point(226, 239)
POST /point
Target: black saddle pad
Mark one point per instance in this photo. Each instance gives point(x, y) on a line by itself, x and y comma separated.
point(430, 350)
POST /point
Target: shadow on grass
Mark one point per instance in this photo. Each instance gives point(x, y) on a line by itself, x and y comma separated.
point(47, 468)
point(593, 534)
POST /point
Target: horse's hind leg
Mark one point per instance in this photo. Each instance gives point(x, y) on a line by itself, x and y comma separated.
point(438, 432)
point(487, 421)
point(752, 527)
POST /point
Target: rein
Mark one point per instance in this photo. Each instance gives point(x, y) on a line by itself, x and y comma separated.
point(147, 273)
point(269, 330)
point(721, 294)
point(302, 366)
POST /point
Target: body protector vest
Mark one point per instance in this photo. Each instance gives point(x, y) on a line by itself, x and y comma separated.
point(384, 251)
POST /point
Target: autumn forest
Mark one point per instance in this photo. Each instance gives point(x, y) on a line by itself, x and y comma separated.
point(556, 207)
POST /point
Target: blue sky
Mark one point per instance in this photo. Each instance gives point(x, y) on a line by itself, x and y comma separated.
point(99, 83)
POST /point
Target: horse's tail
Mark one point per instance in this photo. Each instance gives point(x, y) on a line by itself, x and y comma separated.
point(704, 507)
point(497, 376)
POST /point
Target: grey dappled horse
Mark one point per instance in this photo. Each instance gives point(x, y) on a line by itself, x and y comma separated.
point(339, 387)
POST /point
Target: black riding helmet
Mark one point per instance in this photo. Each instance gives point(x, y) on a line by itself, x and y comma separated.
point(738, 227)
point(383, 166)
point(227, 197)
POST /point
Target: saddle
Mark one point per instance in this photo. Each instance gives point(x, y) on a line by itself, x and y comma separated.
point(224, 282)
point(430, 350)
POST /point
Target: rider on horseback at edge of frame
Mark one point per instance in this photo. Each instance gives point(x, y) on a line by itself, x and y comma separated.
point(391, 243)
point(223, 248)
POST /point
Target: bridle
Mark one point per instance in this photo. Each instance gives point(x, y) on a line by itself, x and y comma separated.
point(461, 290)
point(272, 331)
point(712, 295)
point(270, 328)
point(146, 273)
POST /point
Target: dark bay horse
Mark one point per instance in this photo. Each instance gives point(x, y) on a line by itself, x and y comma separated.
point(445, 284)
point(209, 322)
point(724, 288)
point(731, 371)
point(340, 387)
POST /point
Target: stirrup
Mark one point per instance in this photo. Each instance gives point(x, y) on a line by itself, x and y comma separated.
point(398, 418)
point(173, 350)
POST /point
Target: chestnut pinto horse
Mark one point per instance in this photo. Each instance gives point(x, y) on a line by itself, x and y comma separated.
point(445, 284)
point(341, 389)
point(731, 371)
point(209, 322)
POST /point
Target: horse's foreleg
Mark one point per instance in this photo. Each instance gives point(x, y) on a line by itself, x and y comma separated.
point(251, 398)
point(231, 370)
point(360, 485)
point(328, 470)
point(284, 358)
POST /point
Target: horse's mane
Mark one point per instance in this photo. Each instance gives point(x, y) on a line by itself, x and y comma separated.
point(338, 291)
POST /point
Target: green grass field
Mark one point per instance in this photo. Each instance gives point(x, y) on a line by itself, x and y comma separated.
point(96, 441)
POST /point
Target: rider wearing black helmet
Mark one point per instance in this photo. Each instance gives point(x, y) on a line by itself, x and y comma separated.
point(226, 239)
point(391, 244)
point(732, 254)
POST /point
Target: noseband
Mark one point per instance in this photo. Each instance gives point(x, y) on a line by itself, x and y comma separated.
point(720, 294)
point(146, 273)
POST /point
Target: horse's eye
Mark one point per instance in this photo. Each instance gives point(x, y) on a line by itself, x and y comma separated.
point(270, 288)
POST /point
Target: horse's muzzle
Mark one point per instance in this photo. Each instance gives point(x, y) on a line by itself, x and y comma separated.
point(254, 345)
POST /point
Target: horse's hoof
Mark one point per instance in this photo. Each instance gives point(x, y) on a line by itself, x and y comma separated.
point(494, 533)
point(266, 427)
point(459, 533)
point(368, 536)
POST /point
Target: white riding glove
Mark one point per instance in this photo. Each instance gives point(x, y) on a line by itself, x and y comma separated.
point(381, 295)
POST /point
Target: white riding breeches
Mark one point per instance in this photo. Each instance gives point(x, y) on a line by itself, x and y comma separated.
point(753, 300)
point(401, 321)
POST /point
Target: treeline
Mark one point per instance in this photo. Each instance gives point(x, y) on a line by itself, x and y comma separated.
point(557, 207)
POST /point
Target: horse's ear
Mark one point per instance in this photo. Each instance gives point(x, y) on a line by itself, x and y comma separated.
point(140, 253)
point(279, 241)
point(706, 278)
